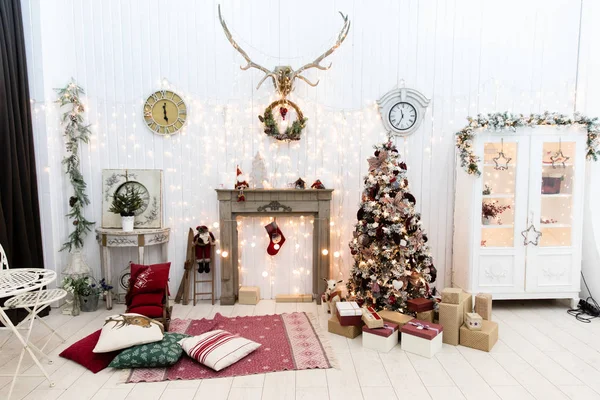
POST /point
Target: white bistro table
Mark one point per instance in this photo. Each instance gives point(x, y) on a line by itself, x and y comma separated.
point(12, 283)
point(140, 238)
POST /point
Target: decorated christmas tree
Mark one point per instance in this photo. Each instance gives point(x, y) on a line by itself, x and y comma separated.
point(392, 263)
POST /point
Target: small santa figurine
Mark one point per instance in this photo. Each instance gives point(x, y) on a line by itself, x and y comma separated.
point(203, 240)
point(240, 184)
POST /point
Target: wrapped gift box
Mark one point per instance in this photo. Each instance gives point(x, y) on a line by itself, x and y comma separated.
point(249, 295)
point(451, 295)
point(420, 304)
point(395, 317)
point(349, 313)
point(483, 305)
point(334, 326)
point(485, 339)
point(451, 318)
point(422, 338)
point(371, 318)
point(426, 316)
point(293, 298)
point(467, 301)
point(381, 339)
point(473, 321)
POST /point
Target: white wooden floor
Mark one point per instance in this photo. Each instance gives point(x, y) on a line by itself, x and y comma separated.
point(543, 353)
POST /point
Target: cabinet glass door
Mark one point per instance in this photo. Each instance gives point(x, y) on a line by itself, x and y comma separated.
point(498, 194)
point(553, 235)
point(556, 193)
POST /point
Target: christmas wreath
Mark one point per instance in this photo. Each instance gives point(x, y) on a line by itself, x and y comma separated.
point(293, 131)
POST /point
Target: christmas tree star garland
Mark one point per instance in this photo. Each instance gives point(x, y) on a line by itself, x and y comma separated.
point(75, 132)
point(507, 121)
point(392, 262)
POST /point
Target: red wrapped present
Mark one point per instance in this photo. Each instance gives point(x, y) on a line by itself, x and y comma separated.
point(349, 313)
point(371, 318)
point(421, 337)
point(420, 304)
point(380, 339)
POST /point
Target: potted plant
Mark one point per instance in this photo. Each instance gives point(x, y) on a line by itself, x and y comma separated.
point(491, 210)
point(85, 293)
point(126, 204)
point(487, 190)
point(105, 288)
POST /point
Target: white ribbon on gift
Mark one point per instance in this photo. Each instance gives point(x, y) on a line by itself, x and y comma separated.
point(423, 326)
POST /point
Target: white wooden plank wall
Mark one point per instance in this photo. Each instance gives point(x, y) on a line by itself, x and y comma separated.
point(469, 56)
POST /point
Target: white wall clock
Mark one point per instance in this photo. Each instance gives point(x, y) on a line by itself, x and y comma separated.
point(402, 110)
point(165, 112)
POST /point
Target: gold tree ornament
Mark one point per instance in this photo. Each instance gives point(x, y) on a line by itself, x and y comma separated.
point(559, 158)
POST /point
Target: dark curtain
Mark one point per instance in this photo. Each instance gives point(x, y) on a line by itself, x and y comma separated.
point(20, 232)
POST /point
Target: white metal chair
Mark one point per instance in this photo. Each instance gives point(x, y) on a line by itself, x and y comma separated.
point(30, 301)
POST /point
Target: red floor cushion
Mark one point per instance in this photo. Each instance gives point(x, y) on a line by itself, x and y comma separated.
point(148, 311)
point(81, 353)
point(147, 299)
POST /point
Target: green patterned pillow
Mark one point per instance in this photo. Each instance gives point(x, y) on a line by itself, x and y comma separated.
point(158, 354)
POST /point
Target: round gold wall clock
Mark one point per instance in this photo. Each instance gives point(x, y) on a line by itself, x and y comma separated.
point(165, 112)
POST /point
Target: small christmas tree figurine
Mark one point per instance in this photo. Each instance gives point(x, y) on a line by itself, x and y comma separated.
point(259, 171)
point(392, 263)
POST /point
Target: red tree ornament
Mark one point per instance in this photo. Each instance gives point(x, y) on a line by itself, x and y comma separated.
point(283, 111)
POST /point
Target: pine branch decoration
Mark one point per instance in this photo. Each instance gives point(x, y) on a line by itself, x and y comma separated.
point(76, 131)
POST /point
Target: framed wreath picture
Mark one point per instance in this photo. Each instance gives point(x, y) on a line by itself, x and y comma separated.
point(147, 182)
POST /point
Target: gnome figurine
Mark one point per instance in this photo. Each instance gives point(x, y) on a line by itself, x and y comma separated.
point(203, 240)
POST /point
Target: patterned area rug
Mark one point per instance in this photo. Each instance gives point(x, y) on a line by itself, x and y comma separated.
point(289, 342)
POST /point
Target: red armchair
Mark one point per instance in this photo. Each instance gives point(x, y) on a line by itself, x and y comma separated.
point(148, 292)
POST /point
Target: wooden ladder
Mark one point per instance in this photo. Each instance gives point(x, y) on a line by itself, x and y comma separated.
point(211, 280)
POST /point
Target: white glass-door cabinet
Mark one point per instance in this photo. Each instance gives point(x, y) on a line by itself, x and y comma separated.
point(518, 226)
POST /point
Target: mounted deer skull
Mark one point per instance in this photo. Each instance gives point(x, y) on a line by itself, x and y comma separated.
point(283, 76)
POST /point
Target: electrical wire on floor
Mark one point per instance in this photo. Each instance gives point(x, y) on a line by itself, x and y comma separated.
point(587, 309)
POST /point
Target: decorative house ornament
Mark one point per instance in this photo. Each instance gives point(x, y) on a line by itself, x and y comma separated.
point(506, 121)
point(283, 78)
point(258, 176)
point(165, 112)
point(146, 182)
point(402, 111)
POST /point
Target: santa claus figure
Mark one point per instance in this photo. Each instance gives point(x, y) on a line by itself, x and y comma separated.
point(203, 240)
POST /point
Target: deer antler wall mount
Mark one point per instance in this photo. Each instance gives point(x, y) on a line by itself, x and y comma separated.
point(283, 78)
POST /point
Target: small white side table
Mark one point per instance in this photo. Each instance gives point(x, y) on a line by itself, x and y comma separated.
point(140, 238)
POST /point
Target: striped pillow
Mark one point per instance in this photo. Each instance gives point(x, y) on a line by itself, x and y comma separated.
point(218, 349)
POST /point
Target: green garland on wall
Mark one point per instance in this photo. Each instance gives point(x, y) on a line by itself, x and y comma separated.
point(507, 121)
point(75, 132)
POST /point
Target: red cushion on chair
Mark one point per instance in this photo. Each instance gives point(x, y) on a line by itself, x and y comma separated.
point(147, 299)
point(81, 353)
point(148, 278)
point(148, 311)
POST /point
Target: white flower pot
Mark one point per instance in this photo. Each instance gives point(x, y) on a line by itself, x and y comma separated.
point(486, 220)
point(127, 224)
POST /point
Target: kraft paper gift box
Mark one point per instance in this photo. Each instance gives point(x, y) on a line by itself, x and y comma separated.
point(483, 305)
point(451, 318)
point(451, 295)
point(249, 295)
point(380, 339)
point(473, 321)
point(420, 304)
point(485, 339)
point(467, 300)
point(426, 316)
point(371, 318)
point(395, 317)
point(349, 313)
point(422, 338)
point(334, 326)
point(293, 298)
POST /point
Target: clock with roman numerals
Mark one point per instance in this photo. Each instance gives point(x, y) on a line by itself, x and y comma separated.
point(402, 111)
point(165, 112)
